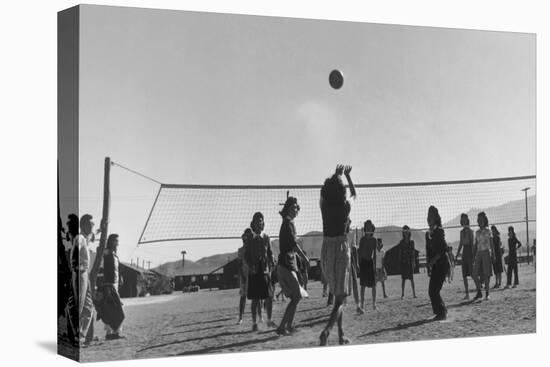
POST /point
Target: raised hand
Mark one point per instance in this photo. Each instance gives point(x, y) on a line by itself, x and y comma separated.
point(339, 170)
point(347, 170)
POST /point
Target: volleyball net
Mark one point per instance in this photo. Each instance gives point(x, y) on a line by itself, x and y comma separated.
point(200, 212)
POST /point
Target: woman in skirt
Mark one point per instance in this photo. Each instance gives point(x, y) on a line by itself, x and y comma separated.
point(484, 256)
point(259, 260)
point(467, 246)
point(498, 264)
point(406, 256)
point(367, 262)
point(287, 269)
point(335, 252)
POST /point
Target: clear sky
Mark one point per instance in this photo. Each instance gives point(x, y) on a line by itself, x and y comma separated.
point(224, 99)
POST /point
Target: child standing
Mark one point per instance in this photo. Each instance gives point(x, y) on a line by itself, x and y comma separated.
point(380, 270)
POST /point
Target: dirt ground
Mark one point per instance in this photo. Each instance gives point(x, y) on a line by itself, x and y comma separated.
point(205, 322)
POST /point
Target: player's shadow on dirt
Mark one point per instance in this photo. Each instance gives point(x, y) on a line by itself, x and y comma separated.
point(225, 333)
point(312, 309)
point(398, 327)
point(464, 303)
point(231, 345)
point(204, 322)
point(195, 330)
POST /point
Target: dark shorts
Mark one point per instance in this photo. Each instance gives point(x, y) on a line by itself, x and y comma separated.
point(367, 273)
point(259, 286)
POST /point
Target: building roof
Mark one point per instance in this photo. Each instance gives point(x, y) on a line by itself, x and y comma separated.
point(136, 268)
point(206, 270)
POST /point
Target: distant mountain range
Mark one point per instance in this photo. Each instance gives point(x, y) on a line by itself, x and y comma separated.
point(391, 235)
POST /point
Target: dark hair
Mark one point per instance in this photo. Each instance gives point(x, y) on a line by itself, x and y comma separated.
point(256, 217)
point(369, 223)
point(494, 229)
point(333, 191)
point(483, 216)
point(464, 218)
point(405, 228)
point(288, 203)
point(85, 219)
point(511, 229)
point(111, 241)
point(433, 212)
point(72, 225)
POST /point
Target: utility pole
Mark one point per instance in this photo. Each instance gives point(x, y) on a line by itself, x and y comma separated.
point(183, 260)
point(104, 226)
point(527, 222)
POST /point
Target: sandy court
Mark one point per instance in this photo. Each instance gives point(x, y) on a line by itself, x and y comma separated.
point(205, 322)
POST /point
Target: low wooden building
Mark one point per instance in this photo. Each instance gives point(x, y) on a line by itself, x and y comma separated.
point(222, 277)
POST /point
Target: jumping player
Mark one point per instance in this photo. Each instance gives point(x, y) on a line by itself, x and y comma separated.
point(335, 252)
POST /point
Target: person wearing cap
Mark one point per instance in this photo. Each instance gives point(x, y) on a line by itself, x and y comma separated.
point(80, 263)
point(335, 251)
point(287, 269)
point(259, 259)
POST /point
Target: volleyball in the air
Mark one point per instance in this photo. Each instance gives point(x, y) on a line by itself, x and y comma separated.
point(336, 79)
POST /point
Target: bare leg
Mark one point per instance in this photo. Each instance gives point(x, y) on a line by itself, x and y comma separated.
point(465, 278)
point(288, 317)
point(362, 296)
point(384, 289)
point(242, 304)
point(487, 285)
point(259, 309)
point(254, 309)
point(334, 316)
point(374, 297)
point(294, 305)
point(341, 338)
point(269, 308)
point(477, 281)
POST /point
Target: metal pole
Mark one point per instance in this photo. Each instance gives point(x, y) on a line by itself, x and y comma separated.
point(527, 223)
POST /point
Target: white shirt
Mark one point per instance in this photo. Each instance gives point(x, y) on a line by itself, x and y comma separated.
point(379, 258)
point(81, 244)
